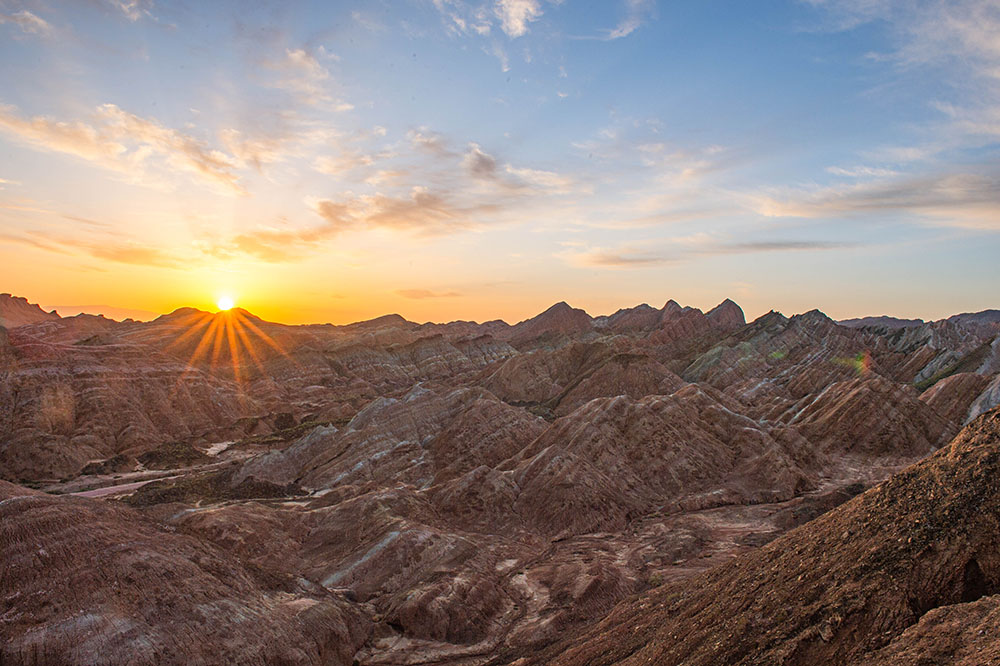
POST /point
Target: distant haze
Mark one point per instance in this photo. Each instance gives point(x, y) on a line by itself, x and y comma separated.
point(106, 310)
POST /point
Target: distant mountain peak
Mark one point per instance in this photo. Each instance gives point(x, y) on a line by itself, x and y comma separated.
point(672, 306)
point(561, 306)
point(883, 321)
point(727, 314)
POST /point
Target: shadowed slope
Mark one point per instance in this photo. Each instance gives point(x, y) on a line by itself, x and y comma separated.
point(842, 589)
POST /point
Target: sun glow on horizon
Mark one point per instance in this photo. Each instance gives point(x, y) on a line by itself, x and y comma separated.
point(225, 302)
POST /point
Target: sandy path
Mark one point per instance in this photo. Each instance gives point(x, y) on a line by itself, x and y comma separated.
point(116, 490)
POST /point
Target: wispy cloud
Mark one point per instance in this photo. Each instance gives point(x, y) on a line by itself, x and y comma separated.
point(461, 18)
point(549, 181)
point(479, 163)
point(611, 258)
point(335, 165)
point(107, 247)
point(961, 199)
point(636, 11)
point(124, 142)
point(421, 213)
point(958, 35)
point(425, 139)
point(778, 246)
point(132, 9)
point(656, 252)
point(131, 253)
point(302, 74)
point(255, 152)
point(861, 172)
point(420, 294)
point(28, 22)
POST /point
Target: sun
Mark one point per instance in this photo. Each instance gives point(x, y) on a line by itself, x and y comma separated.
point(225, 303)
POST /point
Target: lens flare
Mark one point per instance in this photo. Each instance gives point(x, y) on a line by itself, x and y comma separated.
point(227, 343)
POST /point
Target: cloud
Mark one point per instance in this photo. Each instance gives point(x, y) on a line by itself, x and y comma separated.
point(515, 15)
point(28, 23)
point(387, 176)
point(926, 30)
point(608, 259)
point(335, 165)
point(636, 11)
point(622, 257)
point(255, 152)
point(497, 50)
point(429, 141)
point(125, 143)
point(182, 152)
point(549, 181)
point(422, 213)
point(425, 293)
point(960, 199)
point(861, 172)
point(479, 163)
point(107, 247)
point(657, 252)
point(955, 42)
point(75, 138)
point(778, 246)
point(132, 9)
point(131, 253)
point(462, 19)
point(301, 73)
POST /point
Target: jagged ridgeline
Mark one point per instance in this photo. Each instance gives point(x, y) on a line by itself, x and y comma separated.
point(659, 485)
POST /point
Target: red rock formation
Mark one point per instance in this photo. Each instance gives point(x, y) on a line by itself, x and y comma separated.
point(859, 585)
point(480, 490)
point(16, 311)
point(86, 582)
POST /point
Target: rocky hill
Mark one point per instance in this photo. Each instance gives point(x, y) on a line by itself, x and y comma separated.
point(480, 493)
point(906, 573)
point(16, 311)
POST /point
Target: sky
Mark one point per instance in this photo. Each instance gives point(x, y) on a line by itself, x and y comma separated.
point(452, 159)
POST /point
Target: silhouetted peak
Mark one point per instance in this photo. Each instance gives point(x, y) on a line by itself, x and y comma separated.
point(672, 306)
point(880, 321)
point(17, 311)
point(813, 316)
point(179, 313)
point(561, 306)
point(727, 314)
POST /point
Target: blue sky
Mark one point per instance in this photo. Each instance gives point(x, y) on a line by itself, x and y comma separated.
point(448, 159)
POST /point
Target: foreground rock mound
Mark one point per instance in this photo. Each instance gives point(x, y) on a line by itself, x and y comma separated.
point(889, 577)
point(86, 582)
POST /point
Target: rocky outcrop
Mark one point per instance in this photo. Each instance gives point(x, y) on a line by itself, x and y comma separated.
point(558, 320)
point(88, 582)
point(870, 417)
point(727, 315)
point(952, 396)
point(17, 311)
point(872, 581)
point(987, 400)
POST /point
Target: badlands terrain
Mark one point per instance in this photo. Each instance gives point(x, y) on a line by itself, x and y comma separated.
point(657, 486)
